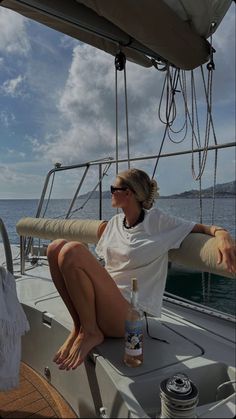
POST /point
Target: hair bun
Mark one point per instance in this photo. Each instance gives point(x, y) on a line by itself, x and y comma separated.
point(154, 188)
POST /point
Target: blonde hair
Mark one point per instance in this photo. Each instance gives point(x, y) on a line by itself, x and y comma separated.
point(145, 189)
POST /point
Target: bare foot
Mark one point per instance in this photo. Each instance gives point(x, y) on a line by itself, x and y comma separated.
point(64, 350)
point(80, 349)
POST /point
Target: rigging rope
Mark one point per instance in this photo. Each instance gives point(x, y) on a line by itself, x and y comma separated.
point(126, 118)
point(49, 195)
point(120, 65)
point(184, 127)
point(169, 104)
point(116, 107)
point(209, 126)
point(92, 192)
point(46, 206)
point(209, 120)
point(172, 79)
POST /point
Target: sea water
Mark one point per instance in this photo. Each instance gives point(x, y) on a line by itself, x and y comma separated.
point(217, 292)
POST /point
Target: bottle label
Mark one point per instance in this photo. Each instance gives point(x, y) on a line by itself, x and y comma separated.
point(133, 338)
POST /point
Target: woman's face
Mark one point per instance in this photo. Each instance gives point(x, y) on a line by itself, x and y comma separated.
point(118, 196)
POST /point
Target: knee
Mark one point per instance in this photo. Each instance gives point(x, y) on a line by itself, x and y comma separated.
point(54, 248)
point(72, 254)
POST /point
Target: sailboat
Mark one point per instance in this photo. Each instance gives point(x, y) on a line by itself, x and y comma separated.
point(194, 374)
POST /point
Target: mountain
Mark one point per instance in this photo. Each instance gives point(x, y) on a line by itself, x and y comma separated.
point(222, 190)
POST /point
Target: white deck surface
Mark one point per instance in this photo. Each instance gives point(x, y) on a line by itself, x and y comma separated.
point(199, 344)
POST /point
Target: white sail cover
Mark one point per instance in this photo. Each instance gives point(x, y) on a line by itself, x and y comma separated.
point(173, 31)
point(201, 13)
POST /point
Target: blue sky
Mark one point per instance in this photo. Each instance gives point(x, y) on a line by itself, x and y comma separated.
point(57, 103)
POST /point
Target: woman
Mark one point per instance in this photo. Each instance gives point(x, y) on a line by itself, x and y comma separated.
point(135, 243)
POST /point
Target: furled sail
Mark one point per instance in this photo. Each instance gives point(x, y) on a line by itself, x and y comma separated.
point(173, 31)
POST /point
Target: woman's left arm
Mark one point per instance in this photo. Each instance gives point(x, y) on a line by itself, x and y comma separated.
point(226, 246)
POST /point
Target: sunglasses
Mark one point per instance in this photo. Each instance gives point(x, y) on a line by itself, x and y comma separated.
point(114, 189)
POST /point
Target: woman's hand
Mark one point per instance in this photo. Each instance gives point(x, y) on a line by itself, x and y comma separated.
point(226, 246)
point(226, 249)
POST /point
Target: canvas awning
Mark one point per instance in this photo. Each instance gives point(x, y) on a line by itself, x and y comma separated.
point(167, 30)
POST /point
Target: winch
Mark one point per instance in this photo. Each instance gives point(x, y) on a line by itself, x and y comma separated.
point(179, 397)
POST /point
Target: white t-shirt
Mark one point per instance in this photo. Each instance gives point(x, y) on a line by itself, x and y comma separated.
point(142, 252)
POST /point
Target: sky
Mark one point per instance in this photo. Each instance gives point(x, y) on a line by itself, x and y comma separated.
point(57, 104)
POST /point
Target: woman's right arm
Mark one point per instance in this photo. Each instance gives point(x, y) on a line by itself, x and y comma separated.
point(101, 229)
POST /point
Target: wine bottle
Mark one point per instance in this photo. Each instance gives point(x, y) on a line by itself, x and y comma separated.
point(133, 354)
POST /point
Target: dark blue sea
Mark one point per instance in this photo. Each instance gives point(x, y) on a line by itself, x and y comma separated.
point(216, 292)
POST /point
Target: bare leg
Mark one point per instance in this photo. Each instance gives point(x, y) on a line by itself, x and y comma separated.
point(97, 300)
point(53, 251)
point(80, 285)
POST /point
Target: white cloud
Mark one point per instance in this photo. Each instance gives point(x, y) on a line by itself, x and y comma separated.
point(18, 182)
point(86, 82)
point(8, 174)
point(34, 142)
point(87, 108)
point(12, 87)
point(227, 25)
point(7, 118)
point(84, 104)
point(15, 153)
point(68, 42)
point(13, 35)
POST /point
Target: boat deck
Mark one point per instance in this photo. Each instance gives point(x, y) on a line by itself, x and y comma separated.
point(198, 342)
point(34, 398)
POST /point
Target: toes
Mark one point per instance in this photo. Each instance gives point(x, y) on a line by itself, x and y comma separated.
point(57, 358)
point(60, 357)
point(77, 363)
point(61, 367)
point(73, 364)
point(60, 360)
point(67, 361)
point(72, 359)
point(63, 364)
point(76, 355)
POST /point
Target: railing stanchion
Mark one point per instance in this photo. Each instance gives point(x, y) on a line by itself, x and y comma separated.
point(100, 191)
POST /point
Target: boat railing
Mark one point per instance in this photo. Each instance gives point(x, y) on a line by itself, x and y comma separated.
point(59, 168)
point(39, 224)
point(104, 162)
point(184, 302)
point(103, 165)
